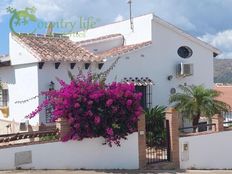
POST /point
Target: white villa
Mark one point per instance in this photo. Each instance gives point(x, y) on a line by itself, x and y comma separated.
point(155, 55)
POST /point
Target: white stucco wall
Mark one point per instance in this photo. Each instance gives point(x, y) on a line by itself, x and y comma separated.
point(48, 73)
point(212, 151)
point(105, 45)
point(86, 154)
point(22, 83)
point(141, 33)
point(160, 60)
point(26, 87)
point(163, 59)
point(18, 53)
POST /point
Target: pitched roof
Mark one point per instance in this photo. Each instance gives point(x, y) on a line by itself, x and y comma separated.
point(50, 48)
point(173, 28)
point(124, 49)
point(61, 48)
point(100, 39)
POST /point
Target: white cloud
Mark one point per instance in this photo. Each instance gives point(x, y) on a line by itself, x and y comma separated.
point(185, 24)
point(221, 40)
point(73, 9)
point(3, 6)
point(119, 18)
point(196, 17)
point(46, 10)
point(200, 17)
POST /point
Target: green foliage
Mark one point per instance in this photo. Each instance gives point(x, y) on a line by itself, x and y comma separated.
point(49, 138)
point(70, 75)
point(1, 85)
point(196, 101)
point(155, 130)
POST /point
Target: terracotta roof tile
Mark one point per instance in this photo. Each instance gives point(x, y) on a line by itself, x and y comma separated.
point(124, 49)
point(49, 48)
point(53, 48)
point(100, 39)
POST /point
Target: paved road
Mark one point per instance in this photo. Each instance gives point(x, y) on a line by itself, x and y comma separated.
point(115, 172)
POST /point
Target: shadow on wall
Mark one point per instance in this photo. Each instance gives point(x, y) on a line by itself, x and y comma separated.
point(7, 75)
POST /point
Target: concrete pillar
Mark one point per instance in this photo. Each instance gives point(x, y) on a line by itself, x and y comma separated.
point(172, 117)
point(142, 141)
point(63, 127)
point(218, 120)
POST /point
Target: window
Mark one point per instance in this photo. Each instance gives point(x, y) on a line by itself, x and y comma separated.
point(185, 52)
point(4, 97)
point(146, 91)
point(143, 85)
point(48, 112)
point(49, 108)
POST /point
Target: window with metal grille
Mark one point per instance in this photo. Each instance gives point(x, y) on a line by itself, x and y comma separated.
point(4, 97)
point(48, 113)
point(49, 108)
point(146, 101)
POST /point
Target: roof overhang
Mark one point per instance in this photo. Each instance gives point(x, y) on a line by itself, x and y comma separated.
point(143, 81)
point(6, 63)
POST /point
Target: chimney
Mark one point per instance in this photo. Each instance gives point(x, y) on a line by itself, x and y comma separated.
point(50, 29)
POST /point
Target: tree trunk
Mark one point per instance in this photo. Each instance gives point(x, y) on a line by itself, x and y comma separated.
point(195, 122)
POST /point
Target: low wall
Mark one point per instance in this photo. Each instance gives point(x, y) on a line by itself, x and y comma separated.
point(13, 126)
point(210, 151)
point(86, 154)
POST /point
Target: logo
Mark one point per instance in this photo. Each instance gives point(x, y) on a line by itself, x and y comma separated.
point(26, 20)
point(21, 17)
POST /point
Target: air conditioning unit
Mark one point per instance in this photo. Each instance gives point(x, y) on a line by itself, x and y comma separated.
point(184, 69)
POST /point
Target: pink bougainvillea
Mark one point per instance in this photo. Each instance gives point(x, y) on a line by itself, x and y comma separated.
point(95, 110)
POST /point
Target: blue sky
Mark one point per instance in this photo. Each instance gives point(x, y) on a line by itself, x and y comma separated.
point(210, 20)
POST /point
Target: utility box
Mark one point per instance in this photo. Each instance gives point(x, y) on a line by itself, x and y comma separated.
point(185, 151)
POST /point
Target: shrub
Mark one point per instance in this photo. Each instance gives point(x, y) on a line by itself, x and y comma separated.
point(155, 132)
point(93, 109)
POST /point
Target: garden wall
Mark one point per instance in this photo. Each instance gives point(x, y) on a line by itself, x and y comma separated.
point(86, 154)
point(210, 151)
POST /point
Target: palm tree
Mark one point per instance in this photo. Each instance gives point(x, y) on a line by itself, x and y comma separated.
point(155, 131)
point(197, 101)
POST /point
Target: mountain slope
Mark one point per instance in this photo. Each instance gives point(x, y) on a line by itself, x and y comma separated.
point(223, 70)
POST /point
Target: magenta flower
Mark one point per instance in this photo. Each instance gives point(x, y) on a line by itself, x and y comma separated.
point(97, 120)
point(109, 102)
point(77, 126)
point(109, 131)
point(93, 109)
point(77, 105)
point(90, 102)
point(129, 103)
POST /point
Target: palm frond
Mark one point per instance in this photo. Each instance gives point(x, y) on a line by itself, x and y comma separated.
point(70, 75)
point(195, 100)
